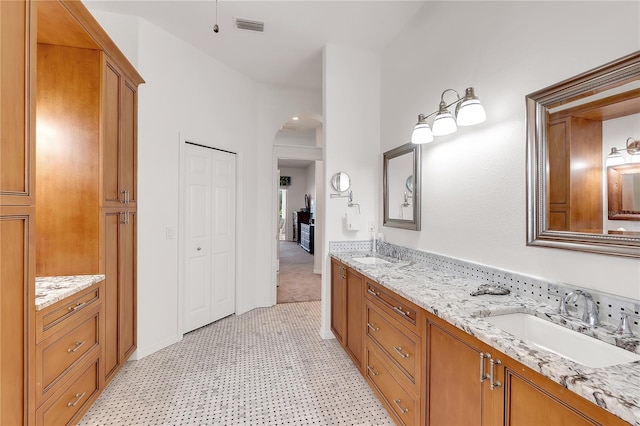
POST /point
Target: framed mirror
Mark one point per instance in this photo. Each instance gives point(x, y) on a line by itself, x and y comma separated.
point(623, 189)
point(572, 127)
point(340, 182)
point(401, 171)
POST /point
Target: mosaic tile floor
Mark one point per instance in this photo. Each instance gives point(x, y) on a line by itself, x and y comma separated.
point(266, 367)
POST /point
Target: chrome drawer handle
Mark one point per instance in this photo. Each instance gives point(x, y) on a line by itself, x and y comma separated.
point(400, 311)
point(482, 357)
point(399, 350)
point(373, 371)
point(373, 327)
point(77, 306)
point(78, 346)
point(373, 292)
point(402, 410)
point(492, 382)
point(78, 398)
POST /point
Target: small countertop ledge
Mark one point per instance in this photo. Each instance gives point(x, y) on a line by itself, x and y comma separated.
point(446, 295)
point(50, 290)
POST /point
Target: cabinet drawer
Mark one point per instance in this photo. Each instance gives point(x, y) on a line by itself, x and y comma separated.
point(53, 318)
point(394, 304)
point(398, 401)
point(65, 406)
point(59, 354)
point(403, 348)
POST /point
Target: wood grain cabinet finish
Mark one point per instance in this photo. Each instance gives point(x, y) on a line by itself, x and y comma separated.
point(69, 333)
point(119, 137)
point(426, 371)
point(120, 289)
point(347, 296)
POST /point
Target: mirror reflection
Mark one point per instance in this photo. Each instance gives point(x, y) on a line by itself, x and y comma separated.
point(400, 188)
point(574, 128)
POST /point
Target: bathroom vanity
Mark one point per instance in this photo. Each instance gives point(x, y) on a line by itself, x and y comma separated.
point(429, 353)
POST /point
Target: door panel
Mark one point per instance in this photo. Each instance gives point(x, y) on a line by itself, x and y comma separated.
point(210, 235)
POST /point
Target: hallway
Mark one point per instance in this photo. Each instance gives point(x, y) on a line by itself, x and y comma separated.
point(296, 280)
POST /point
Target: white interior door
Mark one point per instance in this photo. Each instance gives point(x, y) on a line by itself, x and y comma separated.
point(209, 243)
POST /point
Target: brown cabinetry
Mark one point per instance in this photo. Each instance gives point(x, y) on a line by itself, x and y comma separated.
point(575, 193)
point(120, 289)
point(67, 356)
point(347, 296)
point(426, 371)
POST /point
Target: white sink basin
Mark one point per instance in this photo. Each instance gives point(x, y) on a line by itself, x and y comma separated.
point(567, 343)
point(370, 260)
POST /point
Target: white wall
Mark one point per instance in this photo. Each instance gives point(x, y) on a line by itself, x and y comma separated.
point(351, 81)
point(191, 95)
point(296, 137)
point(474, 193)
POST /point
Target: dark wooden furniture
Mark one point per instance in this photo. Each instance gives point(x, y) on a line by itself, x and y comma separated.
point(299, 217)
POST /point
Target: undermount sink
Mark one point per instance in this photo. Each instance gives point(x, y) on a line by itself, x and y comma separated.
point(567, 343)
point(370, 260)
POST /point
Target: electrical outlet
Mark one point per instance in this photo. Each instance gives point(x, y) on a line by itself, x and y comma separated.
point(170, 233)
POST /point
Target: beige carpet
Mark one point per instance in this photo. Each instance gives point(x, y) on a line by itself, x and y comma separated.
point(296, 280)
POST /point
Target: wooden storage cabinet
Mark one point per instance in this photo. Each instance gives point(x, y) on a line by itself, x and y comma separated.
point(120, 288)
point(119, 141)
point(68, 356)
point(347, 287)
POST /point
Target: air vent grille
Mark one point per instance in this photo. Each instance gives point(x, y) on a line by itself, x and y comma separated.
point(247, 24)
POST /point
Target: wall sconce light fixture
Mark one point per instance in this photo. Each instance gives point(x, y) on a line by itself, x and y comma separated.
point(615, 158)
point(469, 111)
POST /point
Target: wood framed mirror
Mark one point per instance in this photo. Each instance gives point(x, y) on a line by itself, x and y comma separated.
point(571, 128)
point(401, 187)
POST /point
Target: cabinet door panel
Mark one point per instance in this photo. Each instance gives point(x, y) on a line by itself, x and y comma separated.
point(338, 302)
point(355, 330)
point(16, 151)
point(128, 151)
point(128, 286)
point(16, 252)
point(111, 224)
point(454, 388)
point(110, 134)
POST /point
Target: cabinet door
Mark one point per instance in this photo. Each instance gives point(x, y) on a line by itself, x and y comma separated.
point(16, 108)
point(119, 137)
point(120, 289)
point(454, 390)
point(17, 269)
point(355, 318)
point(338, 301)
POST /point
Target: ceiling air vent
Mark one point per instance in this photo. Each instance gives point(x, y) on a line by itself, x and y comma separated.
point(247, 24)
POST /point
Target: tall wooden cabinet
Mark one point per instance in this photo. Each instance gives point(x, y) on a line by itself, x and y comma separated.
point(68, 159)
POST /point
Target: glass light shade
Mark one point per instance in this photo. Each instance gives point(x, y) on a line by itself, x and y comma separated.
point(471, 112)
point(614, 158)
point(421, 134)
point(444, 124)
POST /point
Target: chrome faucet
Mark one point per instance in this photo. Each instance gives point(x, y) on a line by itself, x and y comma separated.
point(590, 312)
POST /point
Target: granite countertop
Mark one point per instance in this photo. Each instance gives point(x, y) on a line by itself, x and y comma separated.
point(50, 290)
point(447, 295)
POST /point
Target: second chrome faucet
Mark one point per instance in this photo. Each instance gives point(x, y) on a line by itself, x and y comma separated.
point(590, 312)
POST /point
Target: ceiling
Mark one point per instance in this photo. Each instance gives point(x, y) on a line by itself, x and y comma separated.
point(289, 51)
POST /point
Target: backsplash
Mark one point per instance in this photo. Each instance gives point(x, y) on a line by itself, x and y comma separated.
point(611, 306)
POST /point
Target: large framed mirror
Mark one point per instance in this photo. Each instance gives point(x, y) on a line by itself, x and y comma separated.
point(573, 127)
point(401, 171)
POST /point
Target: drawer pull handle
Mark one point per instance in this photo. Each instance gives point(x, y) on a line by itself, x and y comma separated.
point(76, 306)
point(492, 382)
point(77, 346)
point(400, 311)
point(373, 292)
point(402, 410)
point(482, 358)
point(373, 327)
point(399, 350)
point(373, 371)
point(78, 398)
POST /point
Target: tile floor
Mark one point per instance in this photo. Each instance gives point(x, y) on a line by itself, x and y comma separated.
point(266, 367)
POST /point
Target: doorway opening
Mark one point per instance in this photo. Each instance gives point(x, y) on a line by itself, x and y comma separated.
point(282, 215)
